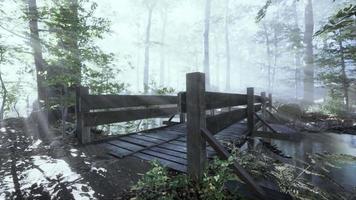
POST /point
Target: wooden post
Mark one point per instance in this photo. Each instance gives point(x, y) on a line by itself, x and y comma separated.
point(196, 145)
point(270, 102)
point(83, 132)
point(250, 110)
point(250, 116)
point(263, 97)
point(181, 101)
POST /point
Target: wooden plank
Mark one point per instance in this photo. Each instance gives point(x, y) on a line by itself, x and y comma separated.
point(182, 106)
point(83, 132)
point(169, 152)
point(172, 165)
point(196, 149)
point(264, 106)
point(270, 104)
point(174, 147)
point(240, 172)
point(124, 101)
point(165, 156)
point(116, 151)
point(107, 117)
point(250, 110)
point(125, 145)
point(265, 123)
point(164, 135)
point(137, 141)
point(221, 121)
point(148, 139)
point(220, 100)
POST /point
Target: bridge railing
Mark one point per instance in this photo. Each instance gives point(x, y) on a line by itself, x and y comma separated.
point(196, 101)
point(94, 110)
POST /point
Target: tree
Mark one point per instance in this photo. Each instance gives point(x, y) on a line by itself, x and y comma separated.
point(227, 46)
point(337, 53)
point(40, 65)
point(206, 42)
point(296, 39)
point(164, 15)
point(309, 54)
point(150, 6)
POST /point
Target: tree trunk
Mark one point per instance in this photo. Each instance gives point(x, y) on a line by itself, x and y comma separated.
point(268, 51)
point(4, 97)
point(147, 49)
point(345, 82)
point(309, 57)
point(37, 52)
point(206, 43)
point(227, 46)
point(163, 38)
point(297, 55)
point(217, 63)
point(77, 70)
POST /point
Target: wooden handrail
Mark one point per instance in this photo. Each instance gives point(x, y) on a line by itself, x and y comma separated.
point(240, 172)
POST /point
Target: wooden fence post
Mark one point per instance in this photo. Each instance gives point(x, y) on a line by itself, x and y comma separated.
point(250, 110)
point(83, 132)
point(180, 107)
point(196, 144)
point(250, 116)
point(270, 102)
point(264, 105)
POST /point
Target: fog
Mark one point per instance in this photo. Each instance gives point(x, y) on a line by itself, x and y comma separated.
point(177, 47)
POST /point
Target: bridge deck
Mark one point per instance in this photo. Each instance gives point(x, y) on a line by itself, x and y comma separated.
point(168, 145)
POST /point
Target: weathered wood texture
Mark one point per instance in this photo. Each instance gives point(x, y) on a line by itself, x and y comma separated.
point(106, 117)
point(196, 145)
point(125, 101)
point(240, 172)
point(270, 102)
point(221, 121)
point(250, 110)
point(83, 132)
point(216, 100)
point(263, 109)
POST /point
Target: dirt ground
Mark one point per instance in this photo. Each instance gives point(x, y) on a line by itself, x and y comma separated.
point(59, 168)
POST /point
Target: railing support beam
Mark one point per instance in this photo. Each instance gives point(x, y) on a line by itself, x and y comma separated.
point(196, 120)
point(83, 132)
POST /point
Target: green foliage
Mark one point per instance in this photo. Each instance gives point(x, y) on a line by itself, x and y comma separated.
point(103, 80)
point(262, 12)
point(343, 18)
point(154, 88)
point(333, 105)
point(158, 184)
point(337, 52)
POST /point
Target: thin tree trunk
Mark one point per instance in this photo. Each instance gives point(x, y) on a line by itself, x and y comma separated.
point(309, 60)
point(268, 51)
point(163, 38)
point(138, 58)
point(37, 51)
point(217, 63)
point(4, 97)
point(147, 49)
point(227, 46)
point(206, 43)
point(77, 69)
point(42, 120)
point(345, 84)
point(297, 56)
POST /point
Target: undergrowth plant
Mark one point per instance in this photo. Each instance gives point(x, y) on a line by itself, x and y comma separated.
point(159, 184)
point(293, 177)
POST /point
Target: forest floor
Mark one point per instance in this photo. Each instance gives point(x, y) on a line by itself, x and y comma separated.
point(60, 169)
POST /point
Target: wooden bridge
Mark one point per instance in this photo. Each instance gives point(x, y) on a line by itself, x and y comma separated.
point(207, 120)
